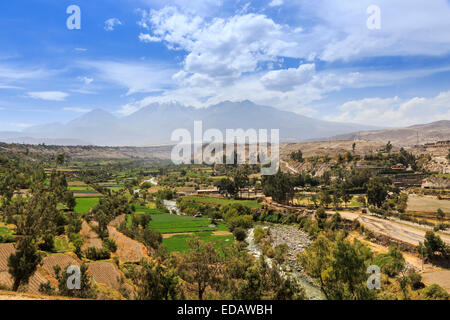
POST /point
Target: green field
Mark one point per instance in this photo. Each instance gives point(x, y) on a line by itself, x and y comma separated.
point(85, 204)
point(62, 244)
point(169, 223)
point(178, 242)
point(252, 204)
point(80, 188)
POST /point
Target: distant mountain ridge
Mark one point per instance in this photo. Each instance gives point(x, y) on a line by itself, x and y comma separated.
point(154, 124)
point(409, 136)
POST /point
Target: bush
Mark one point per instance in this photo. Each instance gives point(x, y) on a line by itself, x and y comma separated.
point(435, 292)
point(110, 244)
point(93, 253)
point(415, 280)
point(240, 234)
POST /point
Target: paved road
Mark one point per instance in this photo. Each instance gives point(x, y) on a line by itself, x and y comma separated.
point(392, 229)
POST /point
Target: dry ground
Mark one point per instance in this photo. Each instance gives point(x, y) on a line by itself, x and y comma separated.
point(427, 204)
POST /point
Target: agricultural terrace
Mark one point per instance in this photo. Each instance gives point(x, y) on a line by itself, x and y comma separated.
point(177, 229)
point(85, 204)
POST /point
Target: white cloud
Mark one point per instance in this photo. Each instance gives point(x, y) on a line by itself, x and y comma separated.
point(78, 110)
point(221, 49)
point(136, 77)
point(48, 95)
point(111, 23)
point(394, 111)
point(86, 80)
point(408, 27)
point(276, 3)
point(145, 37)
point(81, 49)
point(286, 79)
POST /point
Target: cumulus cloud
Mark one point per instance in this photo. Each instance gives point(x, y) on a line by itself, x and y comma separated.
point(286, 79)
point(145, 37)
point(110, 24)
point(222, 48)
point(48, 95)
point(394, 111)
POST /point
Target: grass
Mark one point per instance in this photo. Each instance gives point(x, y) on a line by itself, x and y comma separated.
point(252, 204)
point(5, 231)
point(85, 204)
point(178, 242)
point(62, 244)
point(444, 175)
point(80, 188)
point(169, 223)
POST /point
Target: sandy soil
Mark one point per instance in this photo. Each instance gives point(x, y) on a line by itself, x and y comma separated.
point(427, 204)
point(441, 278)
point(170, 235)
point(128, 250)
point(90, 237)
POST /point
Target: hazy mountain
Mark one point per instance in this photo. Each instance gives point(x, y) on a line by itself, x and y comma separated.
point(409, 136)
point(155, 123)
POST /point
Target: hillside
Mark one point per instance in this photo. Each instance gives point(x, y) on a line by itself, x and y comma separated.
point(410, 136)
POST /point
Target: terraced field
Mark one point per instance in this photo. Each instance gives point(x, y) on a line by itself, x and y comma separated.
point(85, 204)
point(169, 223)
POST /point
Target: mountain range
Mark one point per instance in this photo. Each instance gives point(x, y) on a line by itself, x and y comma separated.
point(154, 124)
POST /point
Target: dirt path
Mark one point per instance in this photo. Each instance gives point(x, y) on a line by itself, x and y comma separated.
point(391, 229)
point(291, 169)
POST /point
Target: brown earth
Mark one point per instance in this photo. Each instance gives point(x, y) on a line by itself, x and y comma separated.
point(441, 277)
point(90, 237)
point(128, 250)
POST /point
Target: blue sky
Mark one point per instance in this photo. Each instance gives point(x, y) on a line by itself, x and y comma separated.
point(316, 58)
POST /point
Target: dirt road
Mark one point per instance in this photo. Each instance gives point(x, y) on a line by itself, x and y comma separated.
point(391, 229)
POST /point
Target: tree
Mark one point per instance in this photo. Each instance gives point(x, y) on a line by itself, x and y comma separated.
point(297, 156)
point(353, 147)
point(321, 217)
point(23, 263)
point(155, 282)
point(388, 147)
point(340, 266)
point(440, 214)
point(325, 198)
point(60, 159)
point(433, 243)
point(199, 265)
point(377, 191)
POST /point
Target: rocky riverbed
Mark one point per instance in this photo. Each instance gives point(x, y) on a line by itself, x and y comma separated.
point(296, 241)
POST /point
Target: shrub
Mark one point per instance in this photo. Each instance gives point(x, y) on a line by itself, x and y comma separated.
point(93, 253)
point(240, 234)
point(435, 292)
point(110, 244)
point(415, 280)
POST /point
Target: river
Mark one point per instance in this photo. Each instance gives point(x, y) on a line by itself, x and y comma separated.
point(312, 291)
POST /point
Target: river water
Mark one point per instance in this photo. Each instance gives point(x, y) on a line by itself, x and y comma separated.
point(312, 291)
